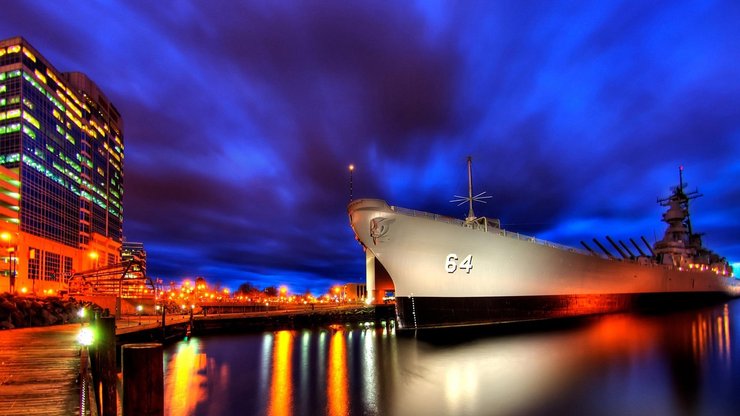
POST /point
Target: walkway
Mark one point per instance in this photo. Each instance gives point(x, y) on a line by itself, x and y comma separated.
point(38, 371)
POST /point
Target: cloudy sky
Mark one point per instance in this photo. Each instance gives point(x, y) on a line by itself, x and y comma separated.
point(241, 118)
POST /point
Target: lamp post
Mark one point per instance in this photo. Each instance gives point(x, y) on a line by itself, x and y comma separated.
point(283, 292)
point(94, 259)
point(351, 169)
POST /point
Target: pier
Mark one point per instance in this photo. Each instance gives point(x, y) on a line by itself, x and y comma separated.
point(40, 367)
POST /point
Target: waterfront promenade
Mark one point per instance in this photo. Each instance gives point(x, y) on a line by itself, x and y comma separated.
point(38, 371)
point(39, 366)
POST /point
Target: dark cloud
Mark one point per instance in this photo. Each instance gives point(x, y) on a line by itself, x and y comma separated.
point(241, 120)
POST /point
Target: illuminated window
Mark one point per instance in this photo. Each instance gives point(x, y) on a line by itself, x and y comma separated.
point(31, 119)
point(29, 54)
point(34, 256)
point(10, 128)
point(40, 76)
point(30, 133)
point(52, 266)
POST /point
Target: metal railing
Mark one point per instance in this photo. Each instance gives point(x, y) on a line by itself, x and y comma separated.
point(500, 231)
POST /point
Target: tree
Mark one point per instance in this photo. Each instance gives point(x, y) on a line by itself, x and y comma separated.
point(271, 291)
point(247, 288)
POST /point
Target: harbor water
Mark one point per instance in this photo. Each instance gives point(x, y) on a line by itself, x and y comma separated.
point(676, 363)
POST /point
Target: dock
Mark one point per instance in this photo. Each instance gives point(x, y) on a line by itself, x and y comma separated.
point(39, 368)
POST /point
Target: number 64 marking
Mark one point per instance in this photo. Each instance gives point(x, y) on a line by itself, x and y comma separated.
point(451, 264)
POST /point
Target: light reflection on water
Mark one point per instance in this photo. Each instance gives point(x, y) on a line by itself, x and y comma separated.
point(680, 363)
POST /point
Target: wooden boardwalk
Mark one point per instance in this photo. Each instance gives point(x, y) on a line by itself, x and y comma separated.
point(38, 371)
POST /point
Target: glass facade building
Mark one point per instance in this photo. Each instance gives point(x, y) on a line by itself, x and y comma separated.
point(63, 139)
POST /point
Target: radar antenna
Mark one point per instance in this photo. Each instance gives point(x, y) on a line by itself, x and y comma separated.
point(481, 197)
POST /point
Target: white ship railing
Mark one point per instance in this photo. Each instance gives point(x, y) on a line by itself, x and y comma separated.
point(499, 231)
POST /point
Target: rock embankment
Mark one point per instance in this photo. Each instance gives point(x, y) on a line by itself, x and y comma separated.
point(25, 311)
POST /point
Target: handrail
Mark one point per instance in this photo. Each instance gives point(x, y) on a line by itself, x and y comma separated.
point(500, 231)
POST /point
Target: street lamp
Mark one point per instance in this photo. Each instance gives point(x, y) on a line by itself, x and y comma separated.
point(94, 258)
point(351, 169)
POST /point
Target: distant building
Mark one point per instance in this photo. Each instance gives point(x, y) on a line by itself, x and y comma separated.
point(61, 173)
point(355, 292)
point(134, 251)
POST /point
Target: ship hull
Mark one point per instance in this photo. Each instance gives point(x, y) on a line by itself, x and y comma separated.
point(441, 312)
point(447, 273)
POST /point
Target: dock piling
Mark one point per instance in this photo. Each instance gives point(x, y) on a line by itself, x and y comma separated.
point(106, 354)
point(143, 379)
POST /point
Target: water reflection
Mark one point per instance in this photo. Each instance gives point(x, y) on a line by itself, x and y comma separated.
point(281, 390)
point(617, 364)
point(185, 378)
point(336, 391)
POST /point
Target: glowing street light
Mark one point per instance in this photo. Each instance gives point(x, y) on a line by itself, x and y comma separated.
point(86, 336)
point(351, 169)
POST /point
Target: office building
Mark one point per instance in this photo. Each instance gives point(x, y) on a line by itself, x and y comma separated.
point(133, 251)
point(61, 173)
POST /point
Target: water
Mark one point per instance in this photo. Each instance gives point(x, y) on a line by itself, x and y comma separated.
point(670, 364)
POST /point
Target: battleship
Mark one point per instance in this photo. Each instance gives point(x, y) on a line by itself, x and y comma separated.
point(449, 272)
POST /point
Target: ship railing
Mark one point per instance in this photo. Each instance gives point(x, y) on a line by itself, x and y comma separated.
point(435, 217)
point(500, 231)
point(541, 242)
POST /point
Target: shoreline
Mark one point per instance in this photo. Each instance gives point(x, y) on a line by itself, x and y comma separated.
point(214, 324)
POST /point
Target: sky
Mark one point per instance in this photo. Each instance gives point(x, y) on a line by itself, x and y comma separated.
point(241, 119)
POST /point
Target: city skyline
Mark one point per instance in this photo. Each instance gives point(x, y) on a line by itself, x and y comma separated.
point(240, 121)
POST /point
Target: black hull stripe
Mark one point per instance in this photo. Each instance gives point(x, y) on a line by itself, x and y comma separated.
point(440, 312)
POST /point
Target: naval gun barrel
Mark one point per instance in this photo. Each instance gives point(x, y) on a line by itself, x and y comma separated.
point(652, 253)
point(619, 250)
point(589, 248)
point(632, 256)
point(642, 253)
point(603, 249)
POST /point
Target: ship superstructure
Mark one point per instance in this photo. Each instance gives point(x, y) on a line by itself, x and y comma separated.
point(450, 272)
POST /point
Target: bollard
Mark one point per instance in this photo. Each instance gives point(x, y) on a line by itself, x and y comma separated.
point(107, 365)
point(143, 380)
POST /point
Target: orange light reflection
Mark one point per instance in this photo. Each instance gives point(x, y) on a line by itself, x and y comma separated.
point(281, 388)
point(337, 384)
point(185, 386)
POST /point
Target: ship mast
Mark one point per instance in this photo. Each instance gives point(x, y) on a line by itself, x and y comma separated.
point(471, 215)
point(470, 198)
point(680, 187)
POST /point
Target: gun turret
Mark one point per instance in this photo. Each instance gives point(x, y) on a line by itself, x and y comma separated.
point(619, 250)
point(604, 249)
point(642, 253)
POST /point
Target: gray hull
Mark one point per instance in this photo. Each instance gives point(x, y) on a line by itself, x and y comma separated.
point(448, 273)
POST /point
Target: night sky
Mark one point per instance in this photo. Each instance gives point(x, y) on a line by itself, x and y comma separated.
point(240, 120)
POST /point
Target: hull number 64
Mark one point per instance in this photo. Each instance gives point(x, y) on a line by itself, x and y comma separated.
point(452, 264)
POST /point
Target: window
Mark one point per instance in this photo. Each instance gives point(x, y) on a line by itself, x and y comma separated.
point(34, 255)
point(51, 266)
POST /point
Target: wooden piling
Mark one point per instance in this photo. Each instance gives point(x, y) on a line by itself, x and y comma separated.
point(143, 379)
point(106, 353)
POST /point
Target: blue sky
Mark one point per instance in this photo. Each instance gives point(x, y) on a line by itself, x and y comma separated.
point(240, 119)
